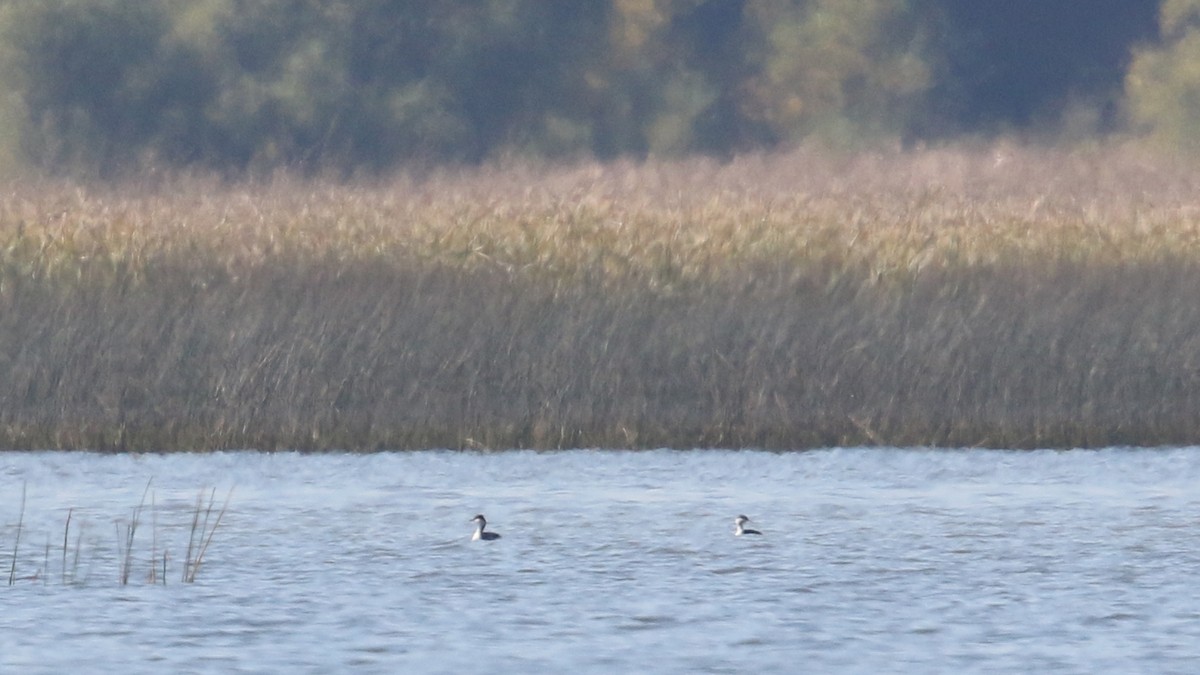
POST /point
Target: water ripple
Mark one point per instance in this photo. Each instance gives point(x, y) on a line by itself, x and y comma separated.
point(872, 561)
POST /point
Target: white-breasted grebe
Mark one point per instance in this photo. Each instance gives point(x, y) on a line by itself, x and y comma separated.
point(480, 523)
point(739, 527)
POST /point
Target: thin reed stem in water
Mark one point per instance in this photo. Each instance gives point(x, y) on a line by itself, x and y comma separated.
point(12, 570)
point(199, 544)
point(187, 559)
point(151, 577)
point(120, 553)
point(66, 535)
point(206, 518)
point(75, 560)
point(130, 532)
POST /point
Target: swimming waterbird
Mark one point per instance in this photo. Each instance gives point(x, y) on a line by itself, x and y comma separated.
point(480, 523)
point(739, 526)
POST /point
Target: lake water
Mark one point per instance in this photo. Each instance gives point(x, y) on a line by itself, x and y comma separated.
point(871, 561)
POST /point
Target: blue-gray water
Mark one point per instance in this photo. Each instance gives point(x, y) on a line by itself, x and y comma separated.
point(871, 561)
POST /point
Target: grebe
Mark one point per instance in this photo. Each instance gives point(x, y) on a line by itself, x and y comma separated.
point(739, 530)
point(480, 523)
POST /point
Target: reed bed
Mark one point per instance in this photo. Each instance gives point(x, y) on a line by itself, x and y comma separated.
point(999, 295)
point(204, 524)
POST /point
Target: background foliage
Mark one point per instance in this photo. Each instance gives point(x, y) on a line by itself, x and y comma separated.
point(102, 85)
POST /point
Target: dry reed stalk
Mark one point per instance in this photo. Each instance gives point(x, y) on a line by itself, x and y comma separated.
point(66, 536)
point(201, 534)
point(152, 574)
point(126, 551)
point(75, 556)
point(12, 570)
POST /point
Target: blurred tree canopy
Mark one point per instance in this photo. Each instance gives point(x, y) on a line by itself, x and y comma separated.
point(1164, 80)
point(371, 84)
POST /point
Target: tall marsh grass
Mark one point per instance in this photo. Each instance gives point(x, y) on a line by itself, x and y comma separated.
point(1000, 296)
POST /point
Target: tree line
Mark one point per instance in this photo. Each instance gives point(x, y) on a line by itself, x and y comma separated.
point(105, 85)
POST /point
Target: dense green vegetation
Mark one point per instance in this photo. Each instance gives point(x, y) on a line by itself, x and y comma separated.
point(99, 85)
